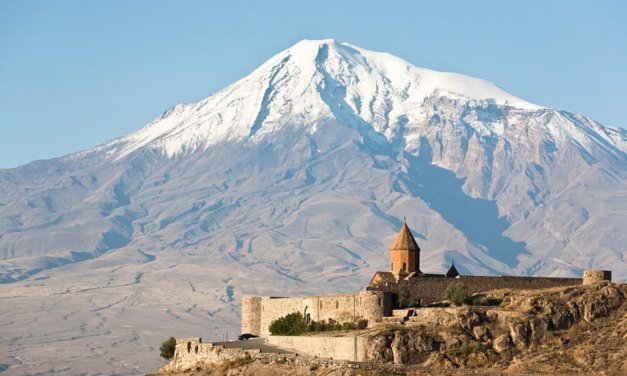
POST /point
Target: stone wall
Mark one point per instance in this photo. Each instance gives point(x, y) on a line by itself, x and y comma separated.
point(375, 305)
point(191, 353)
point(596, 276)
point(340, 351)
point(338, 348)
point(251, 315)
point(372, 305)
point(431, 289)
point(273, 308)
point(259, 312)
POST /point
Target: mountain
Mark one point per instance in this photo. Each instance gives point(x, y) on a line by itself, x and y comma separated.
point(294, 180)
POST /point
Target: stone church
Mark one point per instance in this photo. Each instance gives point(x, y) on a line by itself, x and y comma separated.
point(378, 299)
point(405, 261)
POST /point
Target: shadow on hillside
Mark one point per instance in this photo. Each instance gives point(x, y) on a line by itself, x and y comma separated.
point(478, 219)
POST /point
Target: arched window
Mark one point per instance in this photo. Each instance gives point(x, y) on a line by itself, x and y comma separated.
point(337, 305)
point(404, 266)
point(392, 266)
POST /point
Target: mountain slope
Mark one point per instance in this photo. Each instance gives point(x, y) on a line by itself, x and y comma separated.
point(294, 180)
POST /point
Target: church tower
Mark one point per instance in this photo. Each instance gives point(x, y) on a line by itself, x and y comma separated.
point(404, 253)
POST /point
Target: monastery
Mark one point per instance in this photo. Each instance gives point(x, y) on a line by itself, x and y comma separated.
point(378, 299)
point(379, 304)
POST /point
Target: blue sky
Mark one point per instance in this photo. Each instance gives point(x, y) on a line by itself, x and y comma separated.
point(74, 74)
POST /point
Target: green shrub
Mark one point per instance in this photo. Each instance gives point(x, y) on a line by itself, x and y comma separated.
point(167, 348)
point(457, 293)
point(321, 326)
point(313, 327)
point(348, 326)
point(292, 324)
point(332, 325)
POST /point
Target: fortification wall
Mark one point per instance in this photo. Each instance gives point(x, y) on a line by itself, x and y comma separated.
point(375, 305)
point(251, 315)
point(325, 351)
point(338, 348)
point(340, 308)
point(273, 308)
point(596, 276)
point(259, 312)
point(431, 289)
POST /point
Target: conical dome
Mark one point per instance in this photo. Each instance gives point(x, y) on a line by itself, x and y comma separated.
point(452, 272)
point(405, 241)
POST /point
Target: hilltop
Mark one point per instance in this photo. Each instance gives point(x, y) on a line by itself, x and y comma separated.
point(559, 331)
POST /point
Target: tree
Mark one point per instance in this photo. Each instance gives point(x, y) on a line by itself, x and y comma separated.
point(406, 296)
point(292, 324)
point(167, 348)
point(403, 297)
point(457, 293)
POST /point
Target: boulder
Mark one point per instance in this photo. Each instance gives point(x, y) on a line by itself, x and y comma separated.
point(502, 343)
point(539, 327)
point(468, 319)
point(520, 333)
point(481, 333)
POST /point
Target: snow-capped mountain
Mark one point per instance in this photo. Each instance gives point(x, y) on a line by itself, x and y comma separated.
point(295, 179)
point(310, 82)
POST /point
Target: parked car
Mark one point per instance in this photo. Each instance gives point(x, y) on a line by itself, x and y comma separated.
point(246, 336)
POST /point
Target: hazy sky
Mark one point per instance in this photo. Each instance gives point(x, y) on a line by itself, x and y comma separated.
point(74, 74)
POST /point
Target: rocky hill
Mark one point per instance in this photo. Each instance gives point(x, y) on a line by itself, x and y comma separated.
point(554, 331)
point(561, 331)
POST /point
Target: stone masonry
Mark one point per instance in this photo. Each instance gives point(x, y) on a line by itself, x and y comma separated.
point(259, 312)
point(596, 276)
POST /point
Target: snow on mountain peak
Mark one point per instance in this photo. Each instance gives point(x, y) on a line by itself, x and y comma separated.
point(303, 84)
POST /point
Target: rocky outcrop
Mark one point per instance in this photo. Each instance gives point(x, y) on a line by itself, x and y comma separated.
point(482, 336)
point(192, 354)
point(561, 310)
point(575, 330)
